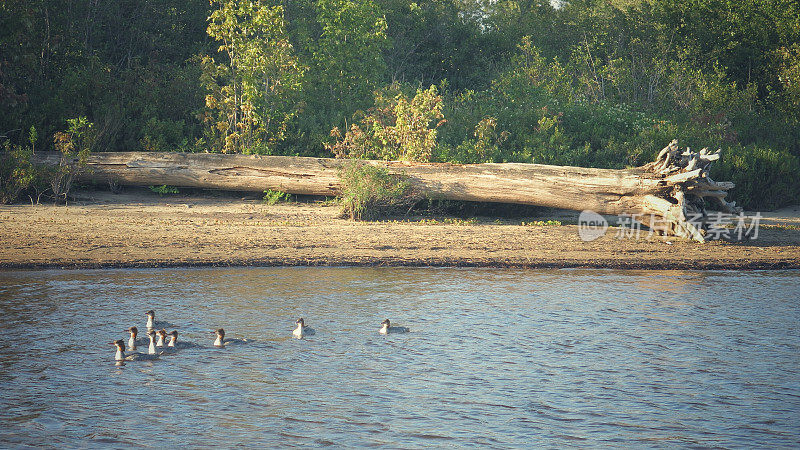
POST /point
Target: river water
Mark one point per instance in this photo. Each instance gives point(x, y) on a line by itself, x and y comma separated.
point(501, 358)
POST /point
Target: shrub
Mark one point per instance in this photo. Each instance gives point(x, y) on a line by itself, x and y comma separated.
point(75, 146)
point(542, 223)
point(164, 136)
point(484, 148)
point(395, 129)
point(765, 178)
point(370, 192)
point(272, 197)
point(17, 173)
point(164, 190)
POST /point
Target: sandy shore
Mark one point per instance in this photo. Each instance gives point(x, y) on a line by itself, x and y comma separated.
point(141, 229)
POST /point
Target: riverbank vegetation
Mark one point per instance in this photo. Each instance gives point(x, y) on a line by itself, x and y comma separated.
point(586, 82)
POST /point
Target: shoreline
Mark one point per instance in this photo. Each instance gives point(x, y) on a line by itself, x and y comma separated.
point(788, 264)
point(139, 229)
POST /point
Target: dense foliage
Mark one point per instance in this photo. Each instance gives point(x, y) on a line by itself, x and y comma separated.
point(253, 93)
point(396, 129)
point(603, 83)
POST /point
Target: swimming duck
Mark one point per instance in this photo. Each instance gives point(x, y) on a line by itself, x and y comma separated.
point(151, 349)
point(151, 318)
point(120, 356)
point(386, 328)
point(161, 336)
point(302, 329)
point(173, 341)
point(222, 342)
point(133, 341)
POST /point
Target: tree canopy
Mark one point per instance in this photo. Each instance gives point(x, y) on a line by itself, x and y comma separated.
point(601, 83)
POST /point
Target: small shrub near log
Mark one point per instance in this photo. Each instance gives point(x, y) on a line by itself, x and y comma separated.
point(370, 192)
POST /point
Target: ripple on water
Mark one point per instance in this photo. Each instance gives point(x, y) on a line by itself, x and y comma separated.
point(494, 358)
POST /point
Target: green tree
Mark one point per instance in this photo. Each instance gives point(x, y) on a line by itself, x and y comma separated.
point(788, 62)
point(347, 56)
point(119, 63)
point(737, 35)
point(431, 41)
point(17, 172)
point(397, 128)
point(342, 42)
point(75, 146)
point(254, 88)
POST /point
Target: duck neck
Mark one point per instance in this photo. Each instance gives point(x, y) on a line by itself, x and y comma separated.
point(385, 328)
point(132, 343)
point(218, 342)
point(152, 349)
point(160, 341)
point(149, 322)
point(171, 342)
point(120, 356)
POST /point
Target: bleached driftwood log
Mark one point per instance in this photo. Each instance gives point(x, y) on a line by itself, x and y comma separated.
point(680, 210)
point(663, 194)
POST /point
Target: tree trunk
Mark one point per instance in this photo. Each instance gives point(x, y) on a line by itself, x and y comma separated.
point(664, 195)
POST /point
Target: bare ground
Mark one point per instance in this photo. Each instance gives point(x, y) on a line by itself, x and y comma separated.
point(141, 229)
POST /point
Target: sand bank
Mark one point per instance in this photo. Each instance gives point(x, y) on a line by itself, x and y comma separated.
point(141, 229)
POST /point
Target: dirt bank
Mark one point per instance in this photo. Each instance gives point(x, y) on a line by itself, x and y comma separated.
point(141, 229)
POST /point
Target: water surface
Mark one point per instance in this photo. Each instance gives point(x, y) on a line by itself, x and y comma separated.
point(503, 358)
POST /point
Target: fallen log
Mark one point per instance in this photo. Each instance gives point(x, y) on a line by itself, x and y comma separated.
point(664, 194)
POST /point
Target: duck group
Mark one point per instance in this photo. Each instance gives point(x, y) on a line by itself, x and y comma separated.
point(158, 344)
point(157, 340)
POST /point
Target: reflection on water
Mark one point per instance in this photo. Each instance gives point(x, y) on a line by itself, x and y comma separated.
point(495, 357)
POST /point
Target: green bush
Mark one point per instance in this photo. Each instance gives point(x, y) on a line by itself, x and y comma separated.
point(164, 136)
point(164, 190)
point(17, 172)
point(397, 128)
point(370, 193)
point(272, 197)
point(765, 178)
point(75, 146)
point(484, 148)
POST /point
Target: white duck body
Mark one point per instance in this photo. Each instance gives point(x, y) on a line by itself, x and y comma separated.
point(174, 344)
point(302, 329)
point(160, 336)
point(152, 348)
point(121, 356)
point(134, 340)
point(220, 341)
point(386, 328)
